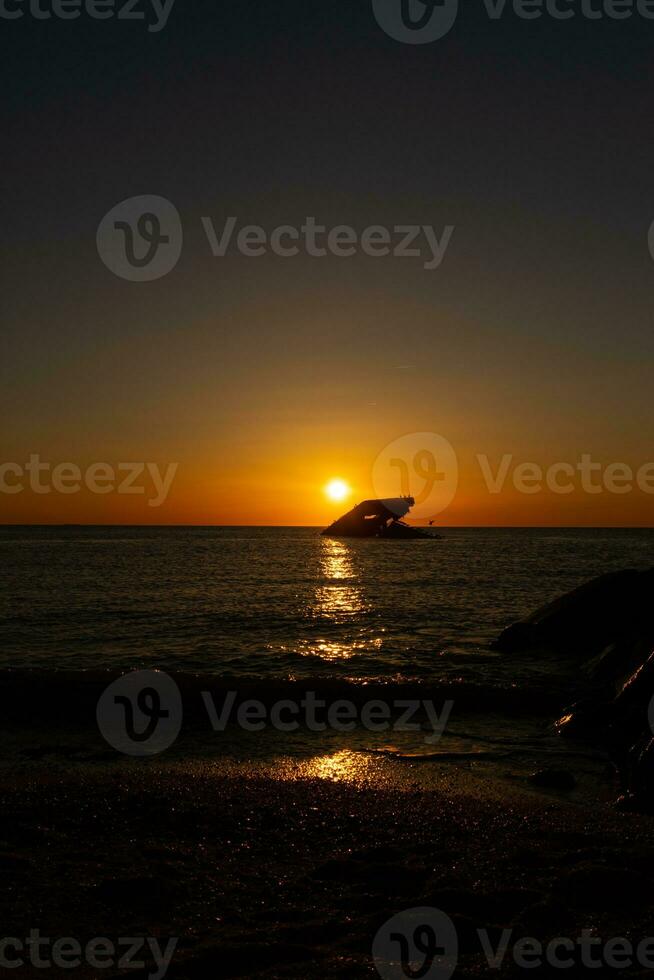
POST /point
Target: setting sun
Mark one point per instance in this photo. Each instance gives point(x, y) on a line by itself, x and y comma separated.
point(337, 490)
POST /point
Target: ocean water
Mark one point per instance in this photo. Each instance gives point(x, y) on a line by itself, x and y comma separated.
point(363, 620)
point(285, 602)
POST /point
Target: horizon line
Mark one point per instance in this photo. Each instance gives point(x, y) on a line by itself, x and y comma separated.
point(442, 527)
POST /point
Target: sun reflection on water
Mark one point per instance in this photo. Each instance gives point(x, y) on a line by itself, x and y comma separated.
point(338, 594)
point(336, 559)
point(328, 650)
point(337, 599)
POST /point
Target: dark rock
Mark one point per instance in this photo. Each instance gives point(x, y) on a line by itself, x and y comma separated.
point(606, 627)
point(629, 736)
point(636, 693)
point(618, 661)
point(583, 623)
point(517, 638)
point(588, 718)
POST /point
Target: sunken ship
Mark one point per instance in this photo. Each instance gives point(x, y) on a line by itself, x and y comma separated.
point(377, 519)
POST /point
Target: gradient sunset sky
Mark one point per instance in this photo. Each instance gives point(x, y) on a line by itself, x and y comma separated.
point(264, 378)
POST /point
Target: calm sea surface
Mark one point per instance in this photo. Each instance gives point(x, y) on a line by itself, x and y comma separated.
point(285, 602)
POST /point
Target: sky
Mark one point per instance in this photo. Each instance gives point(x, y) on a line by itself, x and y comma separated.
point(260, 378)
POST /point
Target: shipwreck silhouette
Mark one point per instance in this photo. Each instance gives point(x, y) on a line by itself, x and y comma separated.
point(377, 519)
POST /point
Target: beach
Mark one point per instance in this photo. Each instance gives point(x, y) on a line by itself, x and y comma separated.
point(287, 874)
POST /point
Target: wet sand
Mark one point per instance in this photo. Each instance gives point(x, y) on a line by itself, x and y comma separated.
point(289, 869)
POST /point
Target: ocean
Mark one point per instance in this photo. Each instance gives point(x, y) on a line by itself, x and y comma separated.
point(269, 606)
point(285, 602)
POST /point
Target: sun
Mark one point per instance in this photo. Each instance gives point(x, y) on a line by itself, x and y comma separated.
point(337, 490)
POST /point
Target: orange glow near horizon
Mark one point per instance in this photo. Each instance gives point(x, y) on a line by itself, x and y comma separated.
point(278, 477)
point(292, 491)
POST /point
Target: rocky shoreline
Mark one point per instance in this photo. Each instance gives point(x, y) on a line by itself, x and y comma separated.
point(606, 629)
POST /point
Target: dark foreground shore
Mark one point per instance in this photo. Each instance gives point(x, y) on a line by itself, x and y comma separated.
point(283, 858)
point(291, 875)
